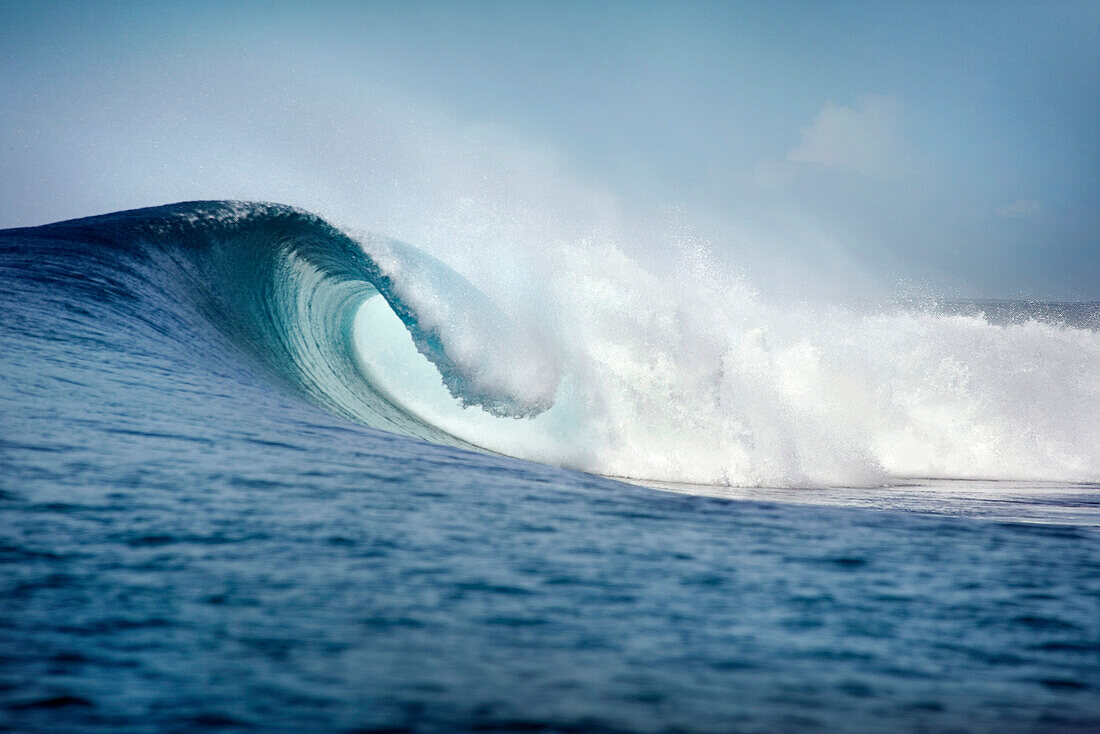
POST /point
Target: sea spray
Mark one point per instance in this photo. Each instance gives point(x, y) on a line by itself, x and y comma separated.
point(691, 376)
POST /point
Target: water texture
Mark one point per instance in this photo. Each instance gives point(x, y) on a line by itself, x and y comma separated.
point(233, 498)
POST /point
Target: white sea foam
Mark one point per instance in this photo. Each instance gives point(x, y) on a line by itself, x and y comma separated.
point(691, 377)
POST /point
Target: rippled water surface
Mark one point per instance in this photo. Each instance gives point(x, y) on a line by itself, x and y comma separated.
point(186, 545)
point(267, 566)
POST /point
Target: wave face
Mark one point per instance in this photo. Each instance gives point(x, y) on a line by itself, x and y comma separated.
point(285, 287)
point(688, 379)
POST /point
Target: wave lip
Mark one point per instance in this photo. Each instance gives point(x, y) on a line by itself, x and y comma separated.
point(482, 357)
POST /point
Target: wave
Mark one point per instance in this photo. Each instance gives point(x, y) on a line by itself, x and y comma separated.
point(687, 378)
point(286, 287)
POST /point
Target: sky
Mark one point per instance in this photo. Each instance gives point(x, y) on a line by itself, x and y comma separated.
point(822, 148)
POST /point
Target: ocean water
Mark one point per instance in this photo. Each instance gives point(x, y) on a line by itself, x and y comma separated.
point(258, 474)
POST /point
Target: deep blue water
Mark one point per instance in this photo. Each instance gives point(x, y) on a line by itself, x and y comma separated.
point(190, 540)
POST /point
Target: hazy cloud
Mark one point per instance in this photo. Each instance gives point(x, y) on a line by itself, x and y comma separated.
point(864, 139)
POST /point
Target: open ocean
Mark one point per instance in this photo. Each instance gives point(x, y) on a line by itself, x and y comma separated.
point(257, 474)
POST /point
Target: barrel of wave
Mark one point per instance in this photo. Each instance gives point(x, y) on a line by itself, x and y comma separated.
point(390, 361)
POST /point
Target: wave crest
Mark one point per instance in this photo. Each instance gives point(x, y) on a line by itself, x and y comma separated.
point(702, 384)
point(286, 286)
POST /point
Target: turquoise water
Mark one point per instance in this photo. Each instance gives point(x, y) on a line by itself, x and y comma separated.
point(212, 519)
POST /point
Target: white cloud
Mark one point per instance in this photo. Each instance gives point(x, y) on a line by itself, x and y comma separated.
point(864, 139)
point(1019, 209)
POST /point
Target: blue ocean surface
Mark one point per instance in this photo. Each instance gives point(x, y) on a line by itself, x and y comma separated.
point(220, 511)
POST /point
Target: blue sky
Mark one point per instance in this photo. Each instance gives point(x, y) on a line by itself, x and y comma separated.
point(858, 147)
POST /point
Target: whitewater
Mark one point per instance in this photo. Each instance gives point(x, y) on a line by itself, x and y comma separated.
point(261, 472)
point(687, 378)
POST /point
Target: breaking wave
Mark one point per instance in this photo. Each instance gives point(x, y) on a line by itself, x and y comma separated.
point(687, 377)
